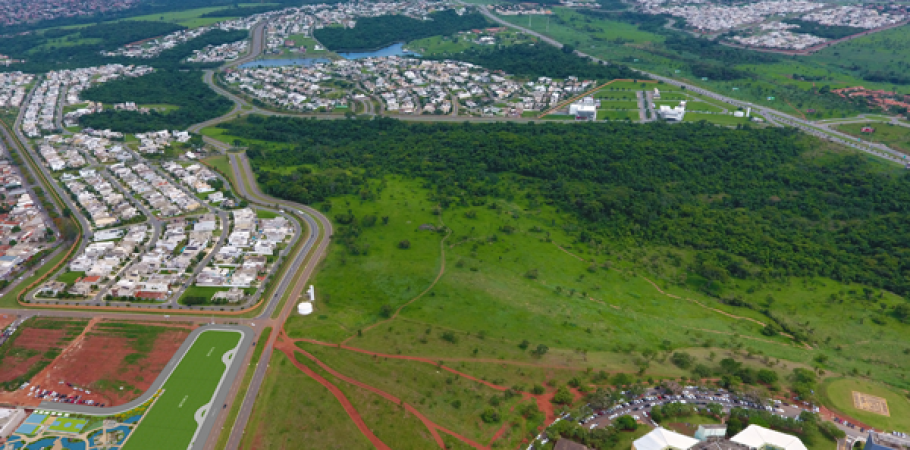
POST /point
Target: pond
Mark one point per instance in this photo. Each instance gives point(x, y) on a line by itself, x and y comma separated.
point(284, 62)
point(392, 50)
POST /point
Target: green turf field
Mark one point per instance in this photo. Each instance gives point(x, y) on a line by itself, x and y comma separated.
point(838, 394)
point(191, 386)
point(67, 425)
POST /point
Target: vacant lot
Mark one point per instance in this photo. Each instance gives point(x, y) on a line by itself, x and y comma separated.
point(115, 355)
point(894, 136)
point(34, 345)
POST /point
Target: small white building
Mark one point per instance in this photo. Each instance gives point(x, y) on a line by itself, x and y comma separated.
point(305, 308)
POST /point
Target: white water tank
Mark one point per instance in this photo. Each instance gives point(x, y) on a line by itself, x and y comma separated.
point(305, 308)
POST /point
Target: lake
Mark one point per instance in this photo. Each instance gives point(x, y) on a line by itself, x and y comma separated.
point(392, 50)
point(284, 62)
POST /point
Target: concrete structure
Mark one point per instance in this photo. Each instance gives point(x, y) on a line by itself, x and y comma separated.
point(9, 420)
point(870, 444)
point(585, 109)
point(674, 114)
point(706, 432)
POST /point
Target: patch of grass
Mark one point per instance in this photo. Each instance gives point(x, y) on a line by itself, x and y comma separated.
point(70, 277)
point(190, 387)
point(894, 136)
point(297, 397)
point(266, 214)
point(837, 394)
point(617, 115)
point(8, 300)
point(719, 119)
point(558, 117)
point(201, 291)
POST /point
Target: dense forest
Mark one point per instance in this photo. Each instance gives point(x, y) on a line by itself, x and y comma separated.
point(747, 199)
point(196, 100)
point(825, 31)
point(540, 60)
point(377, 32)
point(43, 54)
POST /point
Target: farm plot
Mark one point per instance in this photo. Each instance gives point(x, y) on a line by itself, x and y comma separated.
point(34, 345)
point(116, 361)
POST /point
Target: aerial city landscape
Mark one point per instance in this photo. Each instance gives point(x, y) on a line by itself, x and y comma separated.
point(453, 224)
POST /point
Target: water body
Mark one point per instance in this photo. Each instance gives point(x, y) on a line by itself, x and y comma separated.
point(284, 62)
point(392, 50)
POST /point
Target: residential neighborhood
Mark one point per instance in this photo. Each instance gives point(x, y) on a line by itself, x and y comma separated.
point(13, 87)
point(14, 12)
point(403, 86)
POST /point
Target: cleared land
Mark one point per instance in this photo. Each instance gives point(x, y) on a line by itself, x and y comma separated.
point(189, 388)
point(35, 344)
point(115, 355)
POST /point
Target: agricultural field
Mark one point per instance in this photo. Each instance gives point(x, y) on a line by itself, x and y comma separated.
point(839, 395)
point(894, 136)
point(34, 345)
point(189, 388)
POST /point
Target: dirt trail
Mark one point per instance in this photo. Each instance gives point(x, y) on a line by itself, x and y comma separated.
point(432, 426)
point(345, 403)
point(442, 271)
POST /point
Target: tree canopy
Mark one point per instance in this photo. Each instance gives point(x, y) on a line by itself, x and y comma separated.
point(196, 101)
point(752, 201)
point(376, 32)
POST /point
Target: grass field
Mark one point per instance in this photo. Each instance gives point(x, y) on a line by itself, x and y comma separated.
point(292, 408)
point(618, 104)
point(266, 214)
point(223, 164)
point(617, 115)
point(838, 394)
point(70, 277)
point(191, 386)
point(719, 119)
point(894, 136)
point(201, 291)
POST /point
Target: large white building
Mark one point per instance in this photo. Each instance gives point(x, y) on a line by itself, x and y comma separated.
point(753, 437)
point(584, 109)
point(664, 439)
point(756, 437)
point(674, 114)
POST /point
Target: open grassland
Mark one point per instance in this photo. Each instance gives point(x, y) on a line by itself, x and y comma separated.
point(534, 283)
point(838, 393)
point(293, 408)
point(618, 115)
point(447, 399)
point(894, 136)
point(719, 119)
point(190, 387)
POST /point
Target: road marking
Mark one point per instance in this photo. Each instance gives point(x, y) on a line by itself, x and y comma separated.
point(210, 351)
point(183, 401)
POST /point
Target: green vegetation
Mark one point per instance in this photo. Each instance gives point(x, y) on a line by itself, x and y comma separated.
point(196, 101)
point(200, 295)
point(617, 115)
point(377, 32)
point(825, 31)
point(532, 61)
point(462, 41)
point(894, 136)
point(719, 119)
point(289, 398)
point(837, 393)
point(190, 387)
point(266, 214)
point(244, 387)
point(70, 277)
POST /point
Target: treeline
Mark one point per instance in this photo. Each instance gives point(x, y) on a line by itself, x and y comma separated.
point(41, 55)
point(824, 31)
point(539, 60)
point(376, 32)
point(879, 76)
point(196, 100)
point(747, 199)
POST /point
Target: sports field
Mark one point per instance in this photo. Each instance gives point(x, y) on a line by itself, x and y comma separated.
point(173, 419)
point(839, 395)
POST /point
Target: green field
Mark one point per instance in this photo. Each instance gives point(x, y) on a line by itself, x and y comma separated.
point(838, 395)
point(201, 291)
point(618, 104)
point(67, 425)
point(617, 115)
point(719, 119)
point(190, 387)
point(894, 136)
point(266, 214)
point(306, 412)
point(70, 277)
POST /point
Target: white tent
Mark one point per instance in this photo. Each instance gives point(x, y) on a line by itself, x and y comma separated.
point(663, 439)
point(757, 437)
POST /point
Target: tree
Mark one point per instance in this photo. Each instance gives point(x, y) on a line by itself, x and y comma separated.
point(524, 344)
point(625, 423)
point(405, 244)
point(682, 360)
point(563, 396)
point(386, 311)
point(540, 350)
point(490, 415)
point(767, 376)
